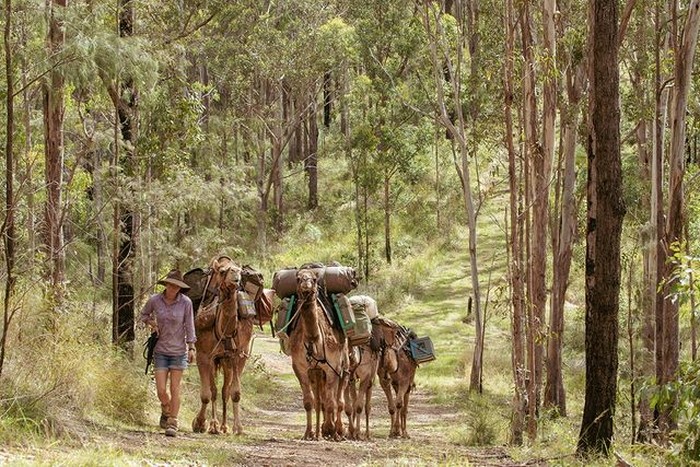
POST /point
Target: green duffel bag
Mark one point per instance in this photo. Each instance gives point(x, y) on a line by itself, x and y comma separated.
point(361, 333)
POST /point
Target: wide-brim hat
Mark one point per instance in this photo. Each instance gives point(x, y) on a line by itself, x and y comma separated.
point(174, 277)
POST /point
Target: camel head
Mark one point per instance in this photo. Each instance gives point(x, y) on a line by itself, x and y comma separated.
point(306, 282)
point(227, 274)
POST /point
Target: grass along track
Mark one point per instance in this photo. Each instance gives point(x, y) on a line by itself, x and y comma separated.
point(273, 427)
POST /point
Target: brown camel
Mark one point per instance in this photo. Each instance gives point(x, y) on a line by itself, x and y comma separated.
point(364, 361)
point(396, 371)
point(223, 342)
point(319, 359)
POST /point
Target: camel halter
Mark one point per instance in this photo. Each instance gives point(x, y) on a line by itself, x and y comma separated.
point(309, 351)
point(218, 321)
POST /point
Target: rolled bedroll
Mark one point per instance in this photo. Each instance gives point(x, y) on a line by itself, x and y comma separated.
point(334, 279)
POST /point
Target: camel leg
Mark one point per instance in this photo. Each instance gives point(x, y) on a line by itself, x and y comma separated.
point(330, 408)
point(227, 366)
point(398, 403)
point(308, 400)
point(404, 413)
point(385, 382)
point(205, 395)
point(239, 364)
point(351, 409)
point(319, 388)
point(342, 382)
point(350, 395)
point(213, 421)
point(368, 406)
point(402, 390)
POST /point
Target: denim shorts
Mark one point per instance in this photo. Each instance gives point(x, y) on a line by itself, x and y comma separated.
point(167, 362)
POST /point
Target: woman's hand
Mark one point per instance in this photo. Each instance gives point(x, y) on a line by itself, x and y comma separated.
point(191, 352)
point(153, 325)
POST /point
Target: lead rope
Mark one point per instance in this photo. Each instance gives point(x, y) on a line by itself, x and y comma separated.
point(217, 333)
point(310, 355)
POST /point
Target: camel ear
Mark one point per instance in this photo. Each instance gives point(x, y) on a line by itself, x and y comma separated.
point(214, 265)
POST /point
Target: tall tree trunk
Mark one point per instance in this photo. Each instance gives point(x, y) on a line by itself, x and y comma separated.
point(98, 200)
point(276, 141)
point(456, 130)
point(277, 183)
point(438, 195)
point(517, 292)
point(554, 394)
point(327, 98)
point(661, 93)
point(387, 216)
point(263, 194)
point(27, 175)
point(542, 164)
point(605, 214)
point(54, 109)
point(455, 123)
point(8, 227)
point(126, 101)
point(644, 359)
point(532, 148)
point(311, 159)
point(684, 58)
point(259, 97)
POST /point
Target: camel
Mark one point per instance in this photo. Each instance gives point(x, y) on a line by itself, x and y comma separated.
point(396, 371)
point(223, 341)
point(320, 360)
point(364, 362)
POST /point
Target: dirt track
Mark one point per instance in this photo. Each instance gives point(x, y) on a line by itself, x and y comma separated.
point(273, 431)
point(272, 436)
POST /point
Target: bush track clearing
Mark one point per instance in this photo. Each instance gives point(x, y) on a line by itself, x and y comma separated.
point(273, 431)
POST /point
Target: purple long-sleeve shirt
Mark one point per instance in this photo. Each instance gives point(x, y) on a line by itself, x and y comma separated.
point(175, 323)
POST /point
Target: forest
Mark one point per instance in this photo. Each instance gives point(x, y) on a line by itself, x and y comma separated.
point(517, 180)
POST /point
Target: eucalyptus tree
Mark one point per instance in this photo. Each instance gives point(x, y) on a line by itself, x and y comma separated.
point(685, 44)
point(445, 39)
point(389, 38)
point(113, 56)
point(565, 208)
point(189, 181)
point(604, 225)
point(516, 260)
point(283, 76)
point(636, 58)
point(8, 224)
point(54, 110)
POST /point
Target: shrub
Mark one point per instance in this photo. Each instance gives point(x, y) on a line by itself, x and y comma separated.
point(682, 396)
point(53, 384)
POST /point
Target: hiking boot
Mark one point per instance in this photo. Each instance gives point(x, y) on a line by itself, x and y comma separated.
point(171, 427)
point(164, 415)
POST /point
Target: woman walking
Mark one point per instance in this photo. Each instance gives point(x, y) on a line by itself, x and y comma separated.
point(170, 315)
